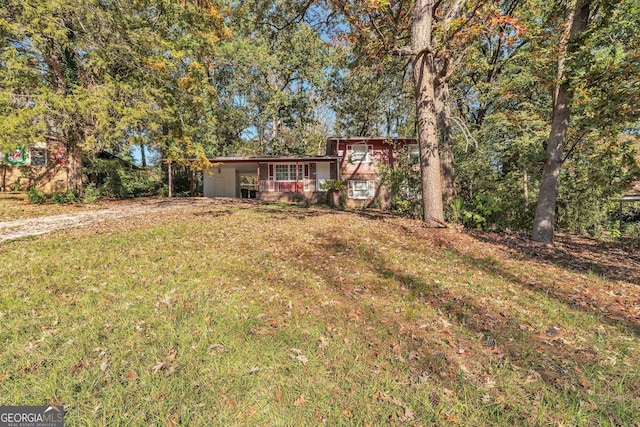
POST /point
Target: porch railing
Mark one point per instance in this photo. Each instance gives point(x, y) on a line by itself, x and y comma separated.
point(306, 185)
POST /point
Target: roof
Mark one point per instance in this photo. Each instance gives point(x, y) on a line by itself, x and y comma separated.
point(371, 138)
point(273, 159)
point(633, 195)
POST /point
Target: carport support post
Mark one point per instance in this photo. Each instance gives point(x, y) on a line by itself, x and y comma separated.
point(191, 187)
point(621, 202)
point(170, 173)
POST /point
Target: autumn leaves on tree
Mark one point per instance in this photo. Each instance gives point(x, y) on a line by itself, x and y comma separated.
point(493, 90)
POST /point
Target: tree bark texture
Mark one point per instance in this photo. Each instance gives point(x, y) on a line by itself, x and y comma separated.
point(544, 222)
point(74, 161)
point(447, 168)
point(424, 75)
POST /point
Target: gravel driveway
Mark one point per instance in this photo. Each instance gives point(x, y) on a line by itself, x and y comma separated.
point(16, 229)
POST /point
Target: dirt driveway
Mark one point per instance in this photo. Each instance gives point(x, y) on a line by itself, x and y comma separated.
point(16, 229)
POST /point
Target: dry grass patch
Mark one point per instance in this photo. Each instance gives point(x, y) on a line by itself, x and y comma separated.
point(276, 315)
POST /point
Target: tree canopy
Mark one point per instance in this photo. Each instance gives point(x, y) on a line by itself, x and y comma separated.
point(477, 81)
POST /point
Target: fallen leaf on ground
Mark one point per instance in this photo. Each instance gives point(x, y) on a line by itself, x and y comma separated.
point(584, 384)
point(386, 398)
point(159, 367)
point(300, 358)
point(323, 343)
point(408, 415)
point(300, 401)
point(132, 375)
point(172, 355)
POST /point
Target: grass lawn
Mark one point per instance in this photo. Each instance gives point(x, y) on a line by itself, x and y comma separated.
point(283, 315)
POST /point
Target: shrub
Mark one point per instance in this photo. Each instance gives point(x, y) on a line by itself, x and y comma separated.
point(91, 194)
point(36, 196)
point(482, 214)
point(59, 198)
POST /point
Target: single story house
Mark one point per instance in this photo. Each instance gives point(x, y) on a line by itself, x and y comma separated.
point(355, 161)
point(293, 178)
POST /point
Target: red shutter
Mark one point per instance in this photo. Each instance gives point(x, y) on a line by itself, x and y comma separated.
point(271, 172)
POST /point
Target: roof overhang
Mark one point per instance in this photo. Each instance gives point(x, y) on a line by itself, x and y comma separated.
point(373, 138)
point(628, 198)
point(274, 159)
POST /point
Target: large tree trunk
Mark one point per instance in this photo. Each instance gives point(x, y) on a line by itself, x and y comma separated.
point(447, 168)
point(74, 162)
point(544, 222)
point(424, 75)
point(143, 155)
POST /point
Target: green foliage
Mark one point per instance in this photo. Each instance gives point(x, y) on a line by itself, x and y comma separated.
point(505, 102)
point(109, 75)
point(17, 183)
point(334, 185)
point(36, 196)
point(482, 214)
point(63, 197)
point(408, 207)
point(58, 197)
point(91, 194)
point(121, 180)
point(403, 181)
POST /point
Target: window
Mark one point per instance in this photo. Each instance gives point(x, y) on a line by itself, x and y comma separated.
point(359, 153)
point(361, 189)
point(413, 151)
point(38, 156)
point(288, 172)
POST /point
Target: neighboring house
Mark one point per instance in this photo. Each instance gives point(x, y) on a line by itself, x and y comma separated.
point(45, 166)
point(42, 165)
point(354, 161)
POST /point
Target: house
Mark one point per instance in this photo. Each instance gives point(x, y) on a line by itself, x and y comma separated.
point(45, 166)
point(289, 178)
point(355, 161)
point(42, 165)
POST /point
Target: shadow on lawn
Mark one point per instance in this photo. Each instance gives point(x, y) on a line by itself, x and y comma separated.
point(297, 211)
point(544, 352)
point(12, 197)
point(608, 260)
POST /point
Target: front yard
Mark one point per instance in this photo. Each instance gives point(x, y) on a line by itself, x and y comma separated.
point(238, 314)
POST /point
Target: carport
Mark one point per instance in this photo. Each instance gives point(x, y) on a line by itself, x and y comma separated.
point(224, 179)
point(632, 196)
